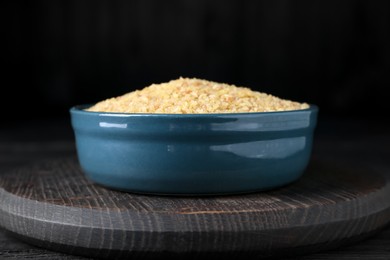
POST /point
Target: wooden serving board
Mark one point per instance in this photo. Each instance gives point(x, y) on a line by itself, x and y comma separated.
point(52, 205)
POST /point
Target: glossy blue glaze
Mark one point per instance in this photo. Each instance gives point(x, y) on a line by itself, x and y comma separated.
point(194, 153)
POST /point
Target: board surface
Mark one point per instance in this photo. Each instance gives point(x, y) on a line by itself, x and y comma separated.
point(51, 204)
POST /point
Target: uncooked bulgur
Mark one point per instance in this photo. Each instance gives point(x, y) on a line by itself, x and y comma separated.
point(195, 96)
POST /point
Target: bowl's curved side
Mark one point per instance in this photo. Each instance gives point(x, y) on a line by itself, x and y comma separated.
point(189, 154)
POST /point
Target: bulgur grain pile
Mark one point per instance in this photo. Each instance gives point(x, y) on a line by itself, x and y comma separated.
point(195, 96)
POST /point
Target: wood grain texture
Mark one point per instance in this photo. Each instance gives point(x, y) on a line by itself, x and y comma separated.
point(52, 205)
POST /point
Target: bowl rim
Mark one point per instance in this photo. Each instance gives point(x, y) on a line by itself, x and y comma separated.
point(79, 109)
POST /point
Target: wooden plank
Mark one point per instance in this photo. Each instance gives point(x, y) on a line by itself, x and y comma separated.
point(52, 205)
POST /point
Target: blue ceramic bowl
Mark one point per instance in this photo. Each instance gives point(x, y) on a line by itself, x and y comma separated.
point(194, 153)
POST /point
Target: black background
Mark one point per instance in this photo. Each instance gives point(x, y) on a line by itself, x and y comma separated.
point(57, 54)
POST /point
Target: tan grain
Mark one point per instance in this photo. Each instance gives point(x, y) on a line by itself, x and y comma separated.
point(195, 96)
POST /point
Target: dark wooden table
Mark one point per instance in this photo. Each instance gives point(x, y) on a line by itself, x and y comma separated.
point(353, 140)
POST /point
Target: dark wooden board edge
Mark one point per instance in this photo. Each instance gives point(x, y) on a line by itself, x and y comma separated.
point(285, 253)
point(364, 226)
point(375, 221)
